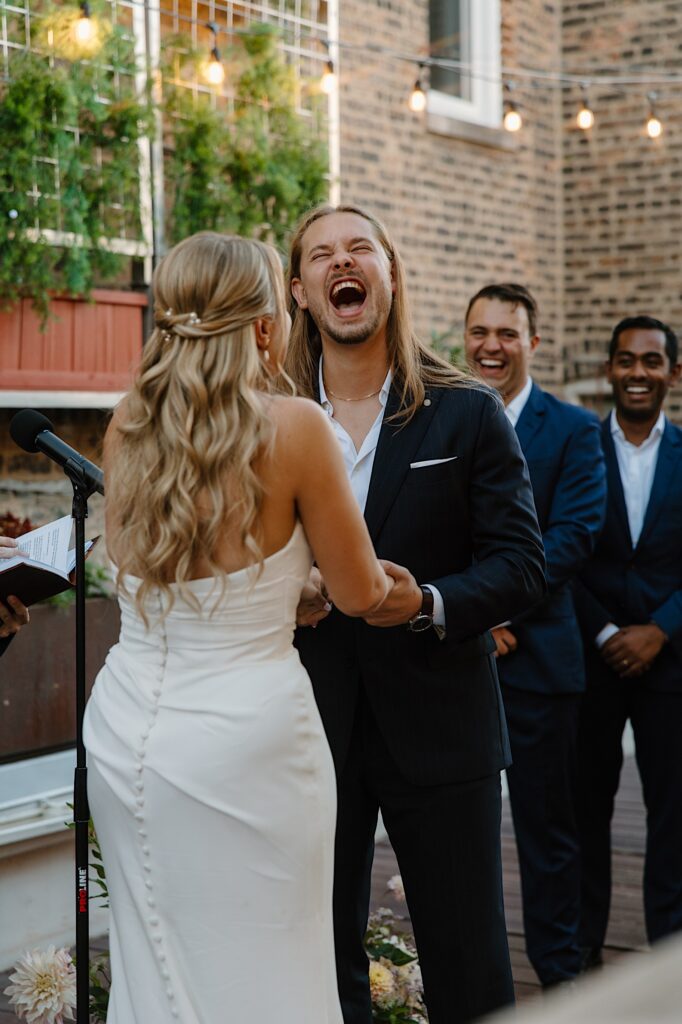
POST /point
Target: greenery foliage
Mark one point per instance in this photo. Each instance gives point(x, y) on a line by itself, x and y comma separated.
point(70, 131)
point(252, 171)
point(71, 127)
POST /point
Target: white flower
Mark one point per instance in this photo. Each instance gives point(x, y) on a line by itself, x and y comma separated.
point(395, 885)
point(43, 989)
point(382, 983)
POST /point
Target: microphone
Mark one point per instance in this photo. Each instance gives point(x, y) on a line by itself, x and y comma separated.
point(34, 433)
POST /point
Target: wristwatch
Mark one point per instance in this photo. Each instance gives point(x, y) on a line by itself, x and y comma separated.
point(424, 617)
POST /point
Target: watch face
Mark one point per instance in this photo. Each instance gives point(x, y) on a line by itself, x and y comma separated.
point(420, 623)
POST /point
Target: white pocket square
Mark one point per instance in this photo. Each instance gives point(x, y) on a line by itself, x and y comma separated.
point(432, 462)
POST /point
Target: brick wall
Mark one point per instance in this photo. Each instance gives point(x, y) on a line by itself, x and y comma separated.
point(463, 214)
point(622, 203)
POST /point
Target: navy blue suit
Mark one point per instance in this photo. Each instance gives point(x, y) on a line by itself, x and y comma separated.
point(630, 585)
point(416, 724)
point(543, 679)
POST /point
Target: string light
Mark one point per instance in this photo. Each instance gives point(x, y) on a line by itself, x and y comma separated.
point(417, 101)
point(214, 72)
point(83, 29)
point(585, 117)
point(654, 128)
point(512, 120)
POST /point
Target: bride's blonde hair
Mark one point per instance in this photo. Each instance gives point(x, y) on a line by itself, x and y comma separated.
point(194, 416)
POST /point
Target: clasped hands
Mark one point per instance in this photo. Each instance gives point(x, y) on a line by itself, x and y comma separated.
point(402, 603)
point(631, 651)
point(13, 615)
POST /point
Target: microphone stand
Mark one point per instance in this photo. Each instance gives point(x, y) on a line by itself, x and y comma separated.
point(81, 811)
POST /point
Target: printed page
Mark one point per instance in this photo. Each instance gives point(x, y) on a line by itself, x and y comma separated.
point(48, 545)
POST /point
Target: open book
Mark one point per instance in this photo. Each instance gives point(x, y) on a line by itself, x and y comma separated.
point(46, 567)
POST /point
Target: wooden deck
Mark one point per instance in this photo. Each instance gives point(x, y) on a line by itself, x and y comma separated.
point(626, 934)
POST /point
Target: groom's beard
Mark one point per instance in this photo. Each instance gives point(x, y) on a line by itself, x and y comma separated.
point(353, 334)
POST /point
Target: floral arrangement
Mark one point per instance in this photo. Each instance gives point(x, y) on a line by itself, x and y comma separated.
point(394, 975)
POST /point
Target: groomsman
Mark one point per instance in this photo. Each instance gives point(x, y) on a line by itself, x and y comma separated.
point(540, 658)
point(629, 602)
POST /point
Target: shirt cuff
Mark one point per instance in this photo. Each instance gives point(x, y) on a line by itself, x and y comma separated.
point(609, 630)
point(438, 610)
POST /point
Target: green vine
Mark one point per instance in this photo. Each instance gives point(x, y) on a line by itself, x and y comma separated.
point(70, 131)
point(252, 171)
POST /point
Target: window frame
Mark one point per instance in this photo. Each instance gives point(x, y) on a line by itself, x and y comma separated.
point(485, 106)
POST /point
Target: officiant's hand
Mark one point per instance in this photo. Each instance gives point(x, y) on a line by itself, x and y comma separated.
point(314, 604)
point(403, 601)
point(9, 547)
point(13, 616)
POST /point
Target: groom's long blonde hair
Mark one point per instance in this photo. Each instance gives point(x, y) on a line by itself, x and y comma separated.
point(194, 417)
point(415, 366)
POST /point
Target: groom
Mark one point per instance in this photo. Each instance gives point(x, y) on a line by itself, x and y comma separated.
point(412, 710)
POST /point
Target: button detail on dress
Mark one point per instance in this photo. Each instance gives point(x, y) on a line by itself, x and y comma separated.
point(427, 401)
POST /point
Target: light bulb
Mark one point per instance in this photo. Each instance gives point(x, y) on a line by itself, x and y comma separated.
point(417, 98)
point(328, 79)
point(214, 72)
point(512, 120)
point(585, 118)
point(83, 28)
point(653, 127)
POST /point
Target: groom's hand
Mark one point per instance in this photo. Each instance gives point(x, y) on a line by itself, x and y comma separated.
point(313, 604)
point(404, 600)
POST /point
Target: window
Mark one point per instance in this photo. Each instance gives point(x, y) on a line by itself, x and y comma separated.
point(466, 32)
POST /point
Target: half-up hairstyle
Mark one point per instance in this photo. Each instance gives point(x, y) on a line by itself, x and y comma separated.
point(195, 415)
point(414, 365)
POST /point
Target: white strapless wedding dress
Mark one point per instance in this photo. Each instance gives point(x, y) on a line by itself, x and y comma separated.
point(212, 789)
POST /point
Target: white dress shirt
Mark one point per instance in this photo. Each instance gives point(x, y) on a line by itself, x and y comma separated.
point(359, 465)
point(637, 466)
point(518, 404)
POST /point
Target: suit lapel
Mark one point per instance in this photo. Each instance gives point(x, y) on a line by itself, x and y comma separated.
point(614, 482)
point(395, 451)
point(530, 420)
point(669, 454)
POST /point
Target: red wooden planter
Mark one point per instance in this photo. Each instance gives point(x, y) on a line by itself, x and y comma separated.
point(86, 345)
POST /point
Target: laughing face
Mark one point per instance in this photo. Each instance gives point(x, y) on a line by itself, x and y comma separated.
point(498, 344)
point(640, 373)
point(346, 280)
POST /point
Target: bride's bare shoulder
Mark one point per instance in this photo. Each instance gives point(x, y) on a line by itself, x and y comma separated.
point(296, 413)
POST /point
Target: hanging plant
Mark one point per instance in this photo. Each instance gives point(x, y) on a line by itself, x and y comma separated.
point(70, 164)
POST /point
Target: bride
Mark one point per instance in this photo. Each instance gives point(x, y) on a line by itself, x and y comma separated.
point(211, 783)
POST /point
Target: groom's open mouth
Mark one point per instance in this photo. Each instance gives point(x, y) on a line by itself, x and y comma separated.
point(348, 296)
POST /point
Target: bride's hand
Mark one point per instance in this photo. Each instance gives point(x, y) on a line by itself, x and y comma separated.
point(313, 604)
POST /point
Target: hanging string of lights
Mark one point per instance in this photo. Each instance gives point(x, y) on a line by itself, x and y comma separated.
point(214, 72)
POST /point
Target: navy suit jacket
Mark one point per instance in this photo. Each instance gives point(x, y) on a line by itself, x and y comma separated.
point(630, 585)
point(562, 446)
point(466, 524)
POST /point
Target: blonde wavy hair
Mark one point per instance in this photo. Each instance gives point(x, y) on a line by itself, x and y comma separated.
point(414, 366)
point(195, 416)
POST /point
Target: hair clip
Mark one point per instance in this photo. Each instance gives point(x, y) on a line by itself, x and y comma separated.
point(193, 319)
point(169, 312)
point(166, 335)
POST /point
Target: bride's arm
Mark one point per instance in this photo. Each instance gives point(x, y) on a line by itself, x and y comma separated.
point(332, 520)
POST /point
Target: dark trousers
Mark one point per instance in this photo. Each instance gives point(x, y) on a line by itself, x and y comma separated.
point(542, 732)
point(447, 842)
point(657, 725)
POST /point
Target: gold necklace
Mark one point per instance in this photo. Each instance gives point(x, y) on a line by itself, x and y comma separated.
point(362, 398)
